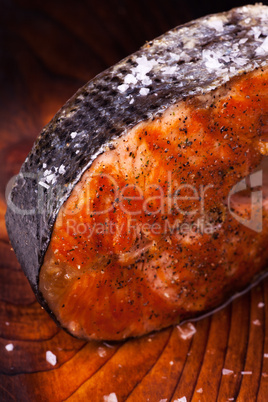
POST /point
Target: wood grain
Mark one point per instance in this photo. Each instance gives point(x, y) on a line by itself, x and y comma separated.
point(48, 50)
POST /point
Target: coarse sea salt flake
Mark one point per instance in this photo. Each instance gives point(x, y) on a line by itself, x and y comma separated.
point(47, 172)
point(225, 58)
point(187, 330)
point(144, 91)
point(51, 358)
point(240, 61)
point(184, 56)
point(44, 184)
point(265, 355)
point(51, 178)
point(183, 399)
point(130, 79)
point(243, 40)
point(123, 87)
point(261, 305)
point(174, 56)
point(263, 48)
point(199, 391)
point(146, 81)
point(227, 372)
point(169, 70)
point(256, 322)
point(62, 169)
point(215, 23)
point(9, 347)
point(74, 134)
point(144, 65)
point(189, 44)
point(256, 32)
point(110, 398)
point(211, 60)
point(101, 352)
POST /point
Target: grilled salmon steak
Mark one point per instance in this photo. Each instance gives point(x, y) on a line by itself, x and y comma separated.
point(128, 224)
point(133, 249)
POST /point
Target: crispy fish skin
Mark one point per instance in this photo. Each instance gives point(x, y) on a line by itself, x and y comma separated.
point(190, 60)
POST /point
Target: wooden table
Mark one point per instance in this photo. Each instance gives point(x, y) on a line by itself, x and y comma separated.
point(48, 49)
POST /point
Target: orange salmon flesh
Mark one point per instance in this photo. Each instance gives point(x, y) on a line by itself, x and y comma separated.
point(147, 237)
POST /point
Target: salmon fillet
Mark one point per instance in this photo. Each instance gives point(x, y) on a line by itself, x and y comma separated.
point(143, 202)
point(133, 249)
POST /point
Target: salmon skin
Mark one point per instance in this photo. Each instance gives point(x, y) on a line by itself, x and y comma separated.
point(186, 64)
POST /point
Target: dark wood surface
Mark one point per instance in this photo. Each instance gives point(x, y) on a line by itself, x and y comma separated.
point(48, 49)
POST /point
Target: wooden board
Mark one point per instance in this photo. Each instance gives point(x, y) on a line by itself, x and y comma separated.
point(48, 49)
